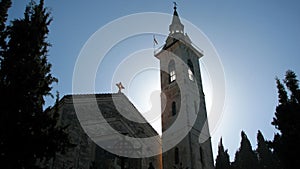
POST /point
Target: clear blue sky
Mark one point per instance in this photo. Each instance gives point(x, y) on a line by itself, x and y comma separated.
point(256, 41)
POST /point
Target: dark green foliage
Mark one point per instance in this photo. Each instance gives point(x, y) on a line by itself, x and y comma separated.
point(222, 160)
point(291, 83)
point(29, 135)
point(287, 121)
point(4, 6)
point(245, 157)
point(266, 159)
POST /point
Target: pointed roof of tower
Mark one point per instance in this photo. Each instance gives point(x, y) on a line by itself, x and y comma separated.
point(176, 25)
point(177, 35)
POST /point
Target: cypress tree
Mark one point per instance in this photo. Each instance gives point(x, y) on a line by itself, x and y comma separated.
point(287, 121)
point(222, 160)
point(266, 159)
point(245, 157)
point(29, 135)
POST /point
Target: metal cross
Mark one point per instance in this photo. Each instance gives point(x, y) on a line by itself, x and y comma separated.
point(120, 86)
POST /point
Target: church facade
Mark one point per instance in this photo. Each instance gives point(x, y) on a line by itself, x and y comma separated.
point(87, 154)
point(185, 142)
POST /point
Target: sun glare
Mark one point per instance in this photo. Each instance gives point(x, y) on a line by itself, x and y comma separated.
point(144, 92)
point(207, 88)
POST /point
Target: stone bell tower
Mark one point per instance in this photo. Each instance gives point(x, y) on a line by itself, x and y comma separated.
point(186, 139)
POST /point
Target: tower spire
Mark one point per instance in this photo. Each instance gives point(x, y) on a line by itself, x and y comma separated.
point(176, 25)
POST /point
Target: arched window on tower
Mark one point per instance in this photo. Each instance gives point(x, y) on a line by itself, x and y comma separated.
point(172, 74)
point(176, 155)
point(174, 108)
point(191, 70)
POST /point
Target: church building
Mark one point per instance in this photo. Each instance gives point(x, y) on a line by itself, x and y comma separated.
point(185, 142)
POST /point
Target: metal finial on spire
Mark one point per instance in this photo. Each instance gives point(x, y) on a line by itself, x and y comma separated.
point(175, 5)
